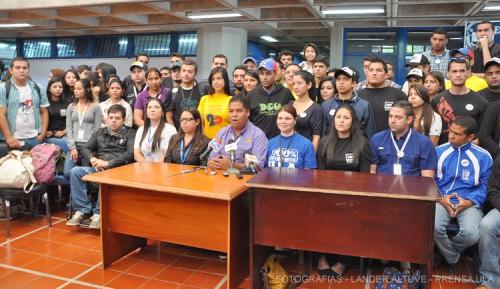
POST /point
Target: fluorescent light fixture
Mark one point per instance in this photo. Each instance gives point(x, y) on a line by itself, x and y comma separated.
point(44, 43)
point(16, 25)
point(213, 14)
point(269, 38)
point(491, 8)
point(353, 10)
point(188, 40)
point(365, 39)
point(123, 42)
point(3, 45)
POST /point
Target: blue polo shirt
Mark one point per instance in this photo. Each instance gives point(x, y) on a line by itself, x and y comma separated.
point(419, 153)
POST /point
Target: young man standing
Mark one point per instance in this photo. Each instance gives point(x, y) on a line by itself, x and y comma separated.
point(486, 47)
point(345, 80)
point(320, 69)
point(238, 75)
point(462, 175)
point(366, 63)
point(138, 77)
point(267, 99)
point(458, 100)
point(380, 96)
point(188, 93)
point(286, 57)
point(473, 81)
point(492, 77)
point(24, 116)
point(438, 56)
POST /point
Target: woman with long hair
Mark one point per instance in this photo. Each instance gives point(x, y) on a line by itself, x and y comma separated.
point(427, 121)
point(311, 51)
point(290, 149)
point(56, 132)
point(310, 120)
point(189, 143)
point(151, 140)
point(344, 148)
point(83, 118)
point(69, 79)
point(326, 89)
point(154, 90)
point(115, 96)
point(214, 106)
point(434, 83)
point(250, 81)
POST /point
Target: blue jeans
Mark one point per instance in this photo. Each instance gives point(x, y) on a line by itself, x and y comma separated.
point(58, 141)
point(70, 164)
point(468, 235)
point(29, 143)
point(489, 249)
point(79, 196)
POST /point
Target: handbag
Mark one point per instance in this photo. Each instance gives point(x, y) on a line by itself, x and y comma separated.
point(17, 171)
point(275, 276)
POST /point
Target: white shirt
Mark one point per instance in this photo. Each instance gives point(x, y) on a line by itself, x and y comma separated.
point(25, 121)
point(146, 146)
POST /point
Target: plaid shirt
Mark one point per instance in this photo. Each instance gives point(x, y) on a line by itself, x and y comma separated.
point(441, 66)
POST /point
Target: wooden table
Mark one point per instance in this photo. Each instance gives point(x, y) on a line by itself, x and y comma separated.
point(144, 200)
point(357, 214)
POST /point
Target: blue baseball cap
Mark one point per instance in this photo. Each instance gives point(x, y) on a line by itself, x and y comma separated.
point(268, 64)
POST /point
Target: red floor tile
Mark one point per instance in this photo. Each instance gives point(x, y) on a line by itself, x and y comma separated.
point(45, 264)
point(214, 267)
point(123, 264)
point(189, 263)
point(161, 258)
point(126, 281)
point(44, 282)
point(69, 270)
point(99, 276)
point(20, 259)
point(89, 258)
point(67, 252)
point(146, 269)
point(176, 275)
point(204, 280)
point(16, 280)
point(141, 254)
point(157, 284)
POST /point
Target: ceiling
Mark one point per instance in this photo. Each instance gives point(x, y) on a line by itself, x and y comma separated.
point(292, 22)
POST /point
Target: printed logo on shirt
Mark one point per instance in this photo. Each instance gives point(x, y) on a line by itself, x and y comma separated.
point(464, 162)
point(214, 120)
point(469, 107)
point(269, 108)
point(388, 105)
point(290, 158)
point(303, 114)
point(465, 174)
point(349, 158)
point(332, 112)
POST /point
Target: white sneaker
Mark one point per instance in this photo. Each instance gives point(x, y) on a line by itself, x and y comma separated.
point(95, 222)
point(77, 218)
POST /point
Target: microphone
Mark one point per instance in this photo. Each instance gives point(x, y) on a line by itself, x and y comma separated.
point(250, 161)
point(230, 149)
point(213, 145)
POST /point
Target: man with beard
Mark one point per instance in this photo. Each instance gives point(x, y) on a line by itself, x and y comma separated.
point(492, 77)
point(238, 75)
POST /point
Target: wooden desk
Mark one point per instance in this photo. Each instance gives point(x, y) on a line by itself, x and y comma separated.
point(140, 201)
point(358, 214)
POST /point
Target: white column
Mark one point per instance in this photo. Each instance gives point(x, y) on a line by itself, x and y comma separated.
point(232, 42)
point(336, 47)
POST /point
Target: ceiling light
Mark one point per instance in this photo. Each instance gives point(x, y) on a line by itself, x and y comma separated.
point(365, 39)
point(16, 25)
point(214, 14)
point(491, 8)
point(269, 38)
point(353, 10)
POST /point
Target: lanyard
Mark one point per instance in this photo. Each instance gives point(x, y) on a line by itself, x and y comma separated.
point(182, 155)
point(81, 115)
point(281, 148)
point(150, 139)
point(400, 153)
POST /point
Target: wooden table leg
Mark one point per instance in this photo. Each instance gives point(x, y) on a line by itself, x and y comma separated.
point(238, 247)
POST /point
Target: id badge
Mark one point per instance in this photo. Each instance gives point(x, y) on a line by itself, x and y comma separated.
point(398, 170)
point(62, 112)
point(81, 133)
point(25, 118)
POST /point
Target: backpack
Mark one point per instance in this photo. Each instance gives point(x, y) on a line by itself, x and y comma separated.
point(45, 157)
point(16, 171)
point(394, 279)
point(8, 83)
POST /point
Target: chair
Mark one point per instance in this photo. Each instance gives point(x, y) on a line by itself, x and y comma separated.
point(10, 194)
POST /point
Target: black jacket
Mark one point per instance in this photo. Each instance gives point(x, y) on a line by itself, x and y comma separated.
point(489, 134)
point(493, 191)
point(117, 149)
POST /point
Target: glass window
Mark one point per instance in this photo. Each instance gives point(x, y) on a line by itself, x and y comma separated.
point(188, 43)
point(371, 42)
point(111, 46)
point(152, 45)
point(37, 48)
point(72, 47)
point(419, 41)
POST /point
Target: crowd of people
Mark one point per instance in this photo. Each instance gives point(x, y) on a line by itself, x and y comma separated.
point(442, 123)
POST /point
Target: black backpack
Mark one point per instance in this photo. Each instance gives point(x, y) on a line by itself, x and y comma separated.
point(8, 84)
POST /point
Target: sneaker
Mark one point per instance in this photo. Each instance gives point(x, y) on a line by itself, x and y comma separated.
point(454, 268)
point(15, 213)
point(95, 222)
point(77, 218)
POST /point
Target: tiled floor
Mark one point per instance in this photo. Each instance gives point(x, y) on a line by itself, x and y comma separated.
point(66, 257)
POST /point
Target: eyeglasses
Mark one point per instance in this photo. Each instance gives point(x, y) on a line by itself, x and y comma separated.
point(186, 119)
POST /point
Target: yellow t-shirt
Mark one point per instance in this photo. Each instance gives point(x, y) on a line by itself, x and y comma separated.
point(215, 111)
point(473, 83)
